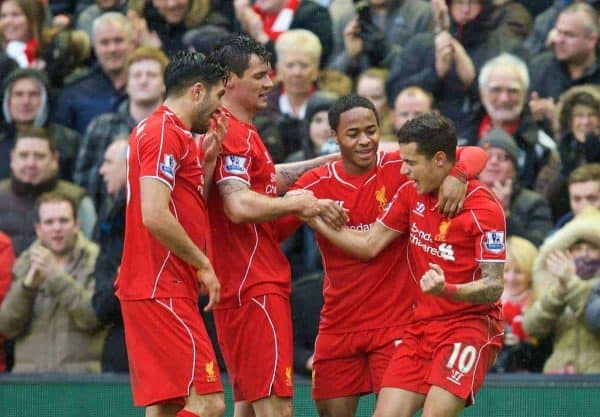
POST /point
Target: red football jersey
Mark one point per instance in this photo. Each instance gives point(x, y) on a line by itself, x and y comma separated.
point(246, 256)
point(162, 148)
point(362, 295)
point(457, 245)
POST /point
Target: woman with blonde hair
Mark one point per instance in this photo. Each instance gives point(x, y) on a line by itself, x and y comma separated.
point(520, 352)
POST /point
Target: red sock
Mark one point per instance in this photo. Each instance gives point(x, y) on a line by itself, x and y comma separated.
point(185, 413)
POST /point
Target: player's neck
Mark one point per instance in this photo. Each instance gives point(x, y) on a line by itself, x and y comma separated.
point(182, 110)
point(238, 110)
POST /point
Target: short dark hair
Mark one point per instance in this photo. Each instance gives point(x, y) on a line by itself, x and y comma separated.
point(585, 173)
point(234, 53)
point(38, 133)
point(187, 68)
point(52, 197)
point(432, 133)
point(349, 102)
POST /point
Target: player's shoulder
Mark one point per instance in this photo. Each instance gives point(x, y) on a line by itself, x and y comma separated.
point(315, 177)
point(477, 193)
point(386, 158)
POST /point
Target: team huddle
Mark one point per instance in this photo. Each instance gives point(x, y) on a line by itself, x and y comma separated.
point(413, 251)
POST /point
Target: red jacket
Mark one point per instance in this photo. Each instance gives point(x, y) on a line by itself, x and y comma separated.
point(7, 258)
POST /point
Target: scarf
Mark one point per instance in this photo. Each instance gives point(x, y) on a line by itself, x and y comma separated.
point(274, 24)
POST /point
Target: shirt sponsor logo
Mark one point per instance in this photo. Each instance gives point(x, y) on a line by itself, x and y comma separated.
point(419, 210)
point(424, 241)
point(360, 227)
point(167, 167)
point(236, 164)
point(494, 241)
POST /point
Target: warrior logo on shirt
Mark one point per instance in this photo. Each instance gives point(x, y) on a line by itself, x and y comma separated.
point(380, 198)
point(235, 164)
point(168, 166)
point(494, 241)
point(210, 371)
point(419, 209)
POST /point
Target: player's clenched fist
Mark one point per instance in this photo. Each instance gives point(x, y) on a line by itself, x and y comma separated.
point(433, 281)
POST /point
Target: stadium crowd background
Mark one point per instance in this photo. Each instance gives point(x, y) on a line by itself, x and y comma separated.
point(520, 79)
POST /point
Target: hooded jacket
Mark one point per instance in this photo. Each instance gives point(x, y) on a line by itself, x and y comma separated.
point(576, 348)
point(67, 140)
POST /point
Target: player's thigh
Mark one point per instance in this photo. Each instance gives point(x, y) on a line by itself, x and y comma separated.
point(205, 405)
point(338, 407)
point(396, 402)
point(441, 403)
point(273, 407)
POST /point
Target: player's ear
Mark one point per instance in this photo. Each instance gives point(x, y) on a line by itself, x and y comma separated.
point(335, 136)
point(440, 158)
point(198, 91)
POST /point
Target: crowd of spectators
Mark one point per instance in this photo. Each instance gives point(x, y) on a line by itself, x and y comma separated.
point(520, 80)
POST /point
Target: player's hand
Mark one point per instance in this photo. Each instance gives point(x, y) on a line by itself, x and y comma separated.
point(212, 141)
point(209, 284)
point(433, 281)
point(562, 266)
point(334, 215)
point(451, 196)
point(304, 203)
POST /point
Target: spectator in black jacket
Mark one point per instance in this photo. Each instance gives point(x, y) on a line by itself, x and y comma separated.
point(572, 61)
point(527, 213)
point(109, 233)
point(446, 63)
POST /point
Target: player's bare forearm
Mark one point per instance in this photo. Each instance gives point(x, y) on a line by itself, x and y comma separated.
point(242, 205)
point(363, 245)
point(288, 174)
point(165, 228)
point(485, 290)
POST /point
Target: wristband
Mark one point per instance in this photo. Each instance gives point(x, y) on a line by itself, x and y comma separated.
point(449, 290)
point(458, 174)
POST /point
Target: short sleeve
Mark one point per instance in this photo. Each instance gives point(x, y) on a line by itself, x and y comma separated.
point(236, 157)
point(160, 154)
point(490, 230)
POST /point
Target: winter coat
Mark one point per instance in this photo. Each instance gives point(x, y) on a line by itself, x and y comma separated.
point(576, 348)
point(54, 327)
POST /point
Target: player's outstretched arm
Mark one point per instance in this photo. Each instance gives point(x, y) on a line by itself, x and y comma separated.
point(485, 290)
point(287, 174)
point(242, 205)
point(363, 245)
point(161, 223)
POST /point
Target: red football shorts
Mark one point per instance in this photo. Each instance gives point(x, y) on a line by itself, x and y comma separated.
point(348, 364)
point(256, 342)
point(453, 354)
point(168, 350)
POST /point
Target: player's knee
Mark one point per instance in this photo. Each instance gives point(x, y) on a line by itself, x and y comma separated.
point(285, 409)
point(210, 406)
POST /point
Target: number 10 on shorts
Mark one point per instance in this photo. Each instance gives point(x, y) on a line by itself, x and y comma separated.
point(466, 356)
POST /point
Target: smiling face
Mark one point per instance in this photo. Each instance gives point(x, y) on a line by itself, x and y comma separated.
point(358, 137)
point(112, 43)
point(251, 89)
point(57, 228)
point(13, 22)
point(298, 72)
point(504, 94)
